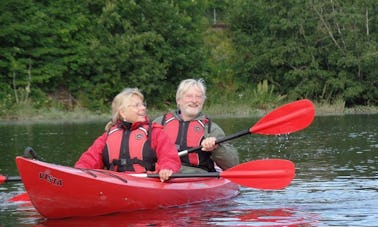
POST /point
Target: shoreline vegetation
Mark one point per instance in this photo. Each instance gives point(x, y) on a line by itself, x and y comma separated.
point(29, 115)
point(251, 62)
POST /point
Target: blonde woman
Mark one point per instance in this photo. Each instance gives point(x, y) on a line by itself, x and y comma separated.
point(130, 142)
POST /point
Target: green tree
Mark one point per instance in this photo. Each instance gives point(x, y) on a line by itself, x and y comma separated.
point(93, 49)
point(323, 50)
point(145, 44)
point(42, 44)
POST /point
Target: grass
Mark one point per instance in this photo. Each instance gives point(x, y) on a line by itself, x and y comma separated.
point(26, 114)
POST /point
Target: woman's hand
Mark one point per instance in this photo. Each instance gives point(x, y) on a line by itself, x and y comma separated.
point(165, 174)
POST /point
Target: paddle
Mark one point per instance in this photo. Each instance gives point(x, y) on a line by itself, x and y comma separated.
point(266, 174)
point(28, 152)
point(6, 179)
point(23, 197)
point(285, 119)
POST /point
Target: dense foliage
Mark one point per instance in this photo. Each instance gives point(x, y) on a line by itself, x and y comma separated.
point(84, 52)
point(324, 50)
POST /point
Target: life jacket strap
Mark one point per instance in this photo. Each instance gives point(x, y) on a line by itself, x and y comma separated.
point(122, 164)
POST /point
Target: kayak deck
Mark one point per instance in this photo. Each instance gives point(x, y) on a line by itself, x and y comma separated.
point(59, 191)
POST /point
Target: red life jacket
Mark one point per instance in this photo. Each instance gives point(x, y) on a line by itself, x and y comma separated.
point(188, 134)
point(129, 150)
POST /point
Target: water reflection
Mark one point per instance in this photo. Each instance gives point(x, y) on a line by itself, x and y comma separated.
point(17, 213)
point(336, 182)
point(216, 214)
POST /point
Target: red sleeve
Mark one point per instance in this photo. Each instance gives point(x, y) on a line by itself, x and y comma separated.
point(92, 158)
point(166, 151)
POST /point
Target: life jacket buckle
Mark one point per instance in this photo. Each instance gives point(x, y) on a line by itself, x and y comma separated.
point(123, 162)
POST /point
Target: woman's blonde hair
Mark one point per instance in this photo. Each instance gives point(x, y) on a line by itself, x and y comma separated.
point(121, 101)
point(185, 85)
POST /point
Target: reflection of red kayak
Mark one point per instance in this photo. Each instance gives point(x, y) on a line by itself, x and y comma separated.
point(59, 191)
point(175, 216)
point(277, 217)
point(195, 215)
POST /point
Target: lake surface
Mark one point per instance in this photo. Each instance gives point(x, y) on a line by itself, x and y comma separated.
point(336, 182)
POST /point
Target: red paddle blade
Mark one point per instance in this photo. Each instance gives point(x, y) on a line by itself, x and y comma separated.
point(24, 197)
point(268, 174)
point(285, 119)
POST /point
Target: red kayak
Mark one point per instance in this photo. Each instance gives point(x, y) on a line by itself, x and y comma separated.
point(59, 191)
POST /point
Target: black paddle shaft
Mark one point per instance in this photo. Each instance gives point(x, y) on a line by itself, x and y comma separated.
point(224, 139)
point(13, 179)
point(186, 175)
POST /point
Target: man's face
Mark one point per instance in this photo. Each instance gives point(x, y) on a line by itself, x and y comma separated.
point(191, 103)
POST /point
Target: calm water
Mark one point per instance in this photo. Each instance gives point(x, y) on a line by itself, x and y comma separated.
point(336, 182)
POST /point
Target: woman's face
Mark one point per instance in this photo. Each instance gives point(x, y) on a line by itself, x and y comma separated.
point(135, 111)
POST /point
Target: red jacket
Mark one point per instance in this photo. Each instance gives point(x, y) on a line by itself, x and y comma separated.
point(166, 152)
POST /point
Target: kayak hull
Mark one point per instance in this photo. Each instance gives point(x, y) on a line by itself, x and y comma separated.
point(58, 191)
